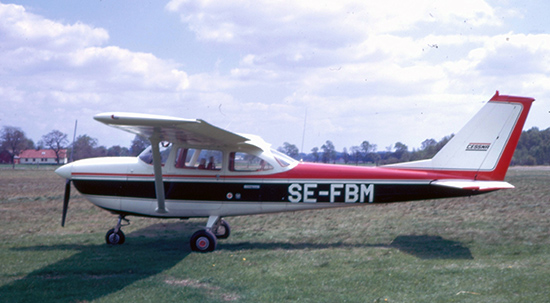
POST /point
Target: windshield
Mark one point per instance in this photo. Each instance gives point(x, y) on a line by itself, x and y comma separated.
point(147, 155)
point(283, 159)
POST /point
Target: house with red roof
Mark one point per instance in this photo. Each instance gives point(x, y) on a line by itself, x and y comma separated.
point(42, 156)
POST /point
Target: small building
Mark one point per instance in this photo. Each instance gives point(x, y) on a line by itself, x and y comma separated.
point(42, 156)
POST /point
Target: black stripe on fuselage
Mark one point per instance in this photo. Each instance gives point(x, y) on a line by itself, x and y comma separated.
point(261, 192)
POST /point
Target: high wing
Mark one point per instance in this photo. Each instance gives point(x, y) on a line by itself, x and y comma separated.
point(165, 128)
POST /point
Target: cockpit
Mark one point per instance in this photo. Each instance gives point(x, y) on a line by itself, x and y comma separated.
point(183, 159)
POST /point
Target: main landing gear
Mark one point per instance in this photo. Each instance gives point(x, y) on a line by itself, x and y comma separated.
point(206, 240)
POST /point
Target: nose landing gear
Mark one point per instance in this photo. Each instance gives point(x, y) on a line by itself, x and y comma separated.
point(115, 236)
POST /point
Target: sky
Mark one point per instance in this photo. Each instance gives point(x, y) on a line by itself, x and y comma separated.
point(302, 72)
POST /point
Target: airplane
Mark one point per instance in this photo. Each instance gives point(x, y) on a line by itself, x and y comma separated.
point(195, 169)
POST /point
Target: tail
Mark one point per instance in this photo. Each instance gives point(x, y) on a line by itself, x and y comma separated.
point(483, 148)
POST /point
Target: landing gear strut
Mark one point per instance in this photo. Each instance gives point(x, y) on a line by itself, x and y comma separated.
point(206, 240)
point(115, 236)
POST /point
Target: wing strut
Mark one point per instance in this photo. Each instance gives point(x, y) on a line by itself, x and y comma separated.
point(159, 184)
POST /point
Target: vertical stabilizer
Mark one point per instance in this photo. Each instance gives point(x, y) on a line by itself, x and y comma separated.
point(484, 147)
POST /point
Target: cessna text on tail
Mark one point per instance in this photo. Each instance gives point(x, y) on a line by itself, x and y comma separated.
point(194, 169)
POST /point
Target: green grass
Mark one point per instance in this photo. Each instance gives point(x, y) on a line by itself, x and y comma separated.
point(489, 248)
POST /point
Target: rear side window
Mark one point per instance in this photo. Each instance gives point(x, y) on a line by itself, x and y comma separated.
point(203, 159)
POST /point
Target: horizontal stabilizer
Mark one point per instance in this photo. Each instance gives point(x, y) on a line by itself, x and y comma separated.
point(473, 185)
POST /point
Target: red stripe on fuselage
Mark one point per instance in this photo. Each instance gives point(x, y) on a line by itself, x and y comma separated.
point(346, 172)
point(318, 171)
point(84, 174)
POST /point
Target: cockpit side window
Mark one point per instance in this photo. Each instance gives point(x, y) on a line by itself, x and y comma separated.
point(203, 159)
point(147, 154)
point(244, 162)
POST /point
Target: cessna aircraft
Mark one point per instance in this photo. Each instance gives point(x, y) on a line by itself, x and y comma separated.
point(195, 169)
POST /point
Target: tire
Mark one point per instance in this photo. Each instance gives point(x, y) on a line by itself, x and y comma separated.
point(223, 231)
point(203, 241)
point(115, 239)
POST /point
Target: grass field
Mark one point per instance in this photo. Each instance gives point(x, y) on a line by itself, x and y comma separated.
point(489, 248)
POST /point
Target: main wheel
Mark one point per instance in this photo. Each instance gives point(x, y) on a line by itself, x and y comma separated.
point(203, 241)
point(113, 238)
point(223, 231)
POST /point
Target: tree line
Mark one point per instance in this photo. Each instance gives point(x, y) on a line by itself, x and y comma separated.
point(533, 148)
point(366, 152)
point(13, 141)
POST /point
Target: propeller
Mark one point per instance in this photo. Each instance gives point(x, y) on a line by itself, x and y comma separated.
point(66, 201)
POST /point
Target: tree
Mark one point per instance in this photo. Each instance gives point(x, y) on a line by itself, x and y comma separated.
point(117, 151)
point(367, 147)
point(401, 151)
point(533, 148)
point(345, 155)
point(138, 145)
point(428, 143)
point(315, 154)
point(100, 151)
point(369, 150)
point(355, 154)
point(329, 152)
point(290, 150)
point(56, 141)
point(13, 140)
point(84, 147)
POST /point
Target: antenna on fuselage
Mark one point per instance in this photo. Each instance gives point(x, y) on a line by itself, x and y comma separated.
point(74, 138)
point(304, 132)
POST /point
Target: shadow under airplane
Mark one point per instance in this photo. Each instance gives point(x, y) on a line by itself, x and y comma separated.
point(423, 247)
point(95, 271)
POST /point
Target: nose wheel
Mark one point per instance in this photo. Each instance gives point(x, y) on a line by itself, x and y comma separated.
point(115, 236)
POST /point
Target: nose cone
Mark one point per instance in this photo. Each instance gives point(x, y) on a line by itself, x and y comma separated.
point(65, 171)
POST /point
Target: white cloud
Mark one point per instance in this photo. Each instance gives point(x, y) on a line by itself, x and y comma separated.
point(514, 54)
point(347, 59)
point(48, 68)
point(22, 29)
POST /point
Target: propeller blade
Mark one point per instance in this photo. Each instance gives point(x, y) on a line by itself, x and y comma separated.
point(66, 201)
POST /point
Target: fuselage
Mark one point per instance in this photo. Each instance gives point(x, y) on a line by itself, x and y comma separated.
point(205, 171)
point(250, 181)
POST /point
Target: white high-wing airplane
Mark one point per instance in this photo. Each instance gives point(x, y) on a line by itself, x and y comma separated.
point(194, 169)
